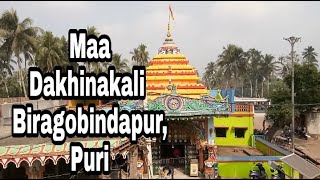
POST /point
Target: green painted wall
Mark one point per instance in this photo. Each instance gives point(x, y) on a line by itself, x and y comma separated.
point(241, 169)
point(266, 150)
point(231, 122)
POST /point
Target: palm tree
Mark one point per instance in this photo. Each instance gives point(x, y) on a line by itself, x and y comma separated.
point(6, 63)
point(309, 55)
point(208, 76)
point(232, 62)
point(50, 53)
point(140, 55)
point(121, 65)
point(267, 68)
point(19, 39)
point(6, 68)
point(213, 77)
point(97, 67)
point(65, 52)
point(254, 69)
point(106, 65)
point(92, 30)
point(9, 86)
point(4, 79)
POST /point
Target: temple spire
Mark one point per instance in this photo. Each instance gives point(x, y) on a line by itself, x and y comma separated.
point(168, 46)
point(171, 17)
point(168, 32)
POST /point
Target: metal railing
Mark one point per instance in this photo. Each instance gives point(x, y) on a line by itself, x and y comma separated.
point(173, 161)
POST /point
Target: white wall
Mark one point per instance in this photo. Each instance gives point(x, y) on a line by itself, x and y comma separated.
point(313, 123)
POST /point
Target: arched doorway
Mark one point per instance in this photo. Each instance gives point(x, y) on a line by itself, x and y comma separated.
point(59, 171)
point(12, 172)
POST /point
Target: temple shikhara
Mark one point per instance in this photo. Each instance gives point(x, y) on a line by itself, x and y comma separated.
point(173, 86)
point(210, 134)
point(170, 67)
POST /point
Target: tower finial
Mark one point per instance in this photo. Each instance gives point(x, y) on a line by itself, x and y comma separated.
point(168, 32)
point(170, 17)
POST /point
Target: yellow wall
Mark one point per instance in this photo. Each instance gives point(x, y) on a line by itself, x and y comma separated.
point(269, 151)
point(232, 122)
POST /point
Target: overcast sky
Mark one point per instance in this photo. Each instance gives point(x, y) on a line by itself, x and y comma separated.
point(201, 29)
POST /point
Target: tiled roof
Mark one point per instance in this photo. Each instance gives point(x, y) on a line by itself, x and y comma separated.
point(32, 151)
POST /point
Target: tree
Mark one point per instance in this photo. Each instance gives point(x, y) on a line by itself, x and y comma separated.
point(309, 55)
point(254, 69)
point(307, 84)
point(211, 76)
point(92, 30)
point(280, 110)
point(6, 63)
point(19, 39)
point(98, 67)
point(3, 80)
point(232, 61)
point(121, 65)
point(140, 55)
point(6, 69)
point(267, 68)
point(65, 56)
point(50, 53)
point(9, 86)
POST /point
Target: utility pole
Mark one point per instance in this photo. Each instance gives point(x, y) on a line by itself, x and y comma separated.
point(292, 40)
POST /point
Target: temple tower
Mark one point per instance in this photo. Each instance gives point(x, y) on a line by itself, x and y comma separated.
point(170, 67)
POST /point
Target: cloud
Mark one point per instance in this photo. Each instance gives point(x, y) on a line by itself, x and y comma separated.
point(248, 9)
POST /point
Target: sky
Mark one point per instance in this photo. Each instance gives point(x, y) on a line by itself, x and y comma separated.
point(200, 30)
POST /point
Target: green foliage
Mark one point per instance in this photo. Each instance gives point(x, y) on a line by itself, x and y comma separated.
point(309, 56)
point(140, 55)
point(250, 72)
point(31, 45)
point(19, 40)
point(14, 89)
point(280, 111)
point(213, 76)
point(50, 53)
point(307, 85)
point(121, 65)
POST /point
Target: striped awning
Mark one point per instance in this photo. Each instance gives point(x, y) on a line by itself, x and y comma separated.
point(43, 152)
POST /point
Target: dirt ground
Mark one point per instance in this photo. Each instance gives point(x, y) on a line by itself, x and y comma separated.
point(237, 151)
point(310, 146)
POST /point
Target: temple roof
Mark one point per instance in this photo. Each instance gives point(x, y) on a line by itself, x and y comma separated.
point(180, 107)
point(168, 46)
point(170, 67)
